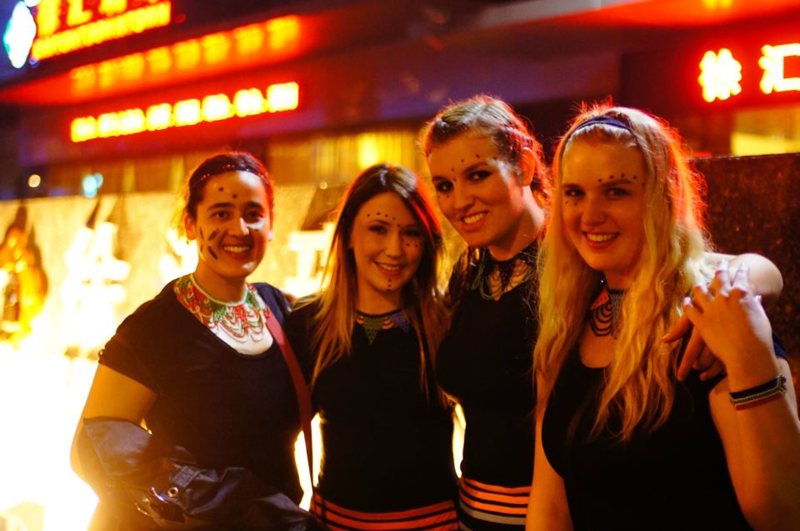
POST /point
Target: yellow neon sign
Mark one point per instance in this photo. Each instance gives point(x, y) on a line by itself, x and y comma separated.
point(772, 62)
point(83, 32)
point(274, 35)
point(720, 75)
point(211, 108)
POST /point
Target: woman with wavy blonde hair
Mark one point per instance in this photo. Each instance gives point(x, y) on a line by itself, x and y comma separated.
point(368, 340)
point(622, 443)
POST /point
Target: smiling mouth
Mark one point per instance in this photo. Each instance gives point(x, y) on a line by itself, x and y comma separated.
point(600, 238)
point(236, 249)
point(389, 268)
point(473, 218)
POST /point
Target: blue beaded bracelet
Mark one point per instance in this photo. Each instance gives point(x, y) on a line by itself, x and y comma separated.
point(759, 394)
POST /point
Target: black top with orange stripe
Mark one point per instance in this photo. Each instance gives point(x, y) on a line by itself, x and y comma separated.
point(485, 362)
point(386, 445)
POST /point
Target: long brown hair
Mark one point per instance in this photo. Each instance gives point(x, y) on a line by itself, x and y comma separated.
point(421, 296)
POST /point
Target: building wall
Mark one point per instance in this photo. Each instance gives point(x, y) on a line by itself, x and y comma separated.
point(754, 206)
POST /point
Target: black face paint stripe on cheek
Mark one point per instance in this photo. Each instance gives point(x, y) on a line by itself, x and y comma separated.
point(213, 235)
point(213, 254)
point(202, 236)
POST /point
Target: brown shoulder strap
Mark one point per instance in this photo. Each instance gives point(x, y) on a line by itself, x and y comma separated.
point(300, 387)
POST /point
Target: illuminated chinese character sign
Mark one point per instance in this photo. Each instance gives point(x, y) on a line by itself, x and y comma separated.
point(746, 69)
point(65, 26)
point(721, 72)
point(720, 75)
point(188, 112)
point(43, 29)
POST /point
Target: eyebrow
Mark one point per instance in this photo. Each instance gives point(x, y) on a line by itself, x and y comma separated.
point(622, 180)
point(468, 169)
point(384, 222)
point(228, 204)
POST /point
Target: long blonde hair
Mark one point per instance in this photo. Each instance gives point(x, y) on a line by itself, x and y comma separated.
point(421, 296)
point(639, 382)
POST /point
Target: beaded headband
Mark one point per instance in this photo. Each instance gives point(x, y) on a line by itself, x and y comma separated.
point(224, 168)
point(604, 119)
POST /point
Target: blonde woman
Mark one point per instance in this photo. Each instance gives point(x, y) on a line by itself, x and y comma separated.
point(622, 443)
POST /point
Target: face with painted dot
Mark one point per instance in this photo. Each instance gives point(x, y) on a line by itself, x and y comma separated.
point(478, 190)
point(387, 244)
point(232, 228)
point(602, 195)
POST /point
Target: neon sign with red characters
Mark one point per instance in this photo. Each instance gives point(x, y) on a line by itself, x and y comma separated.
point(721, 72)
point(65, 26)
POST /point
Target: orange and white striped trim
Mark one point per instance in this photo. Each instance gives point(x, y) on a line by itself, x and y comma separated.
point(493, 503)
point(438, 517)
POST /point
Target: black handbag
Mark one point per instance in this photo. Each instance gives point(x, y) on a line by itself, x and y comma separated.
point(146, 484)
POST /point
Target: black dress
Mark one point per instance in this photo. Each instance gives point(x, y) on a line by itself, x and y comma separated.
point(485, 362)
point(386, 443)
point(673, 478)
point(225, 408)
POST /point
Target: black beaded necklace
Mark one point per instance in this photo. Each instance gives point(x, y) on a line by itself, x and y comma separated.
point(495, 277)
point(605, 311)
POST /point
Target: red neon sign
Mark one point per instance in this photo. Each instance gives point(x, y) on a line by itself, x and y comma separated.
point(720, 75)
point(241, 43)
point(211, 108)
point(772, 62)
point(64, 26)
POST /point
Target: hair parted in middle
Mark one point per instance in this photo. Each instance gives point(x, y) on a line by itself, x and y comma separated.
point(640, 382)
point(421, 297)
point(217, 164)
